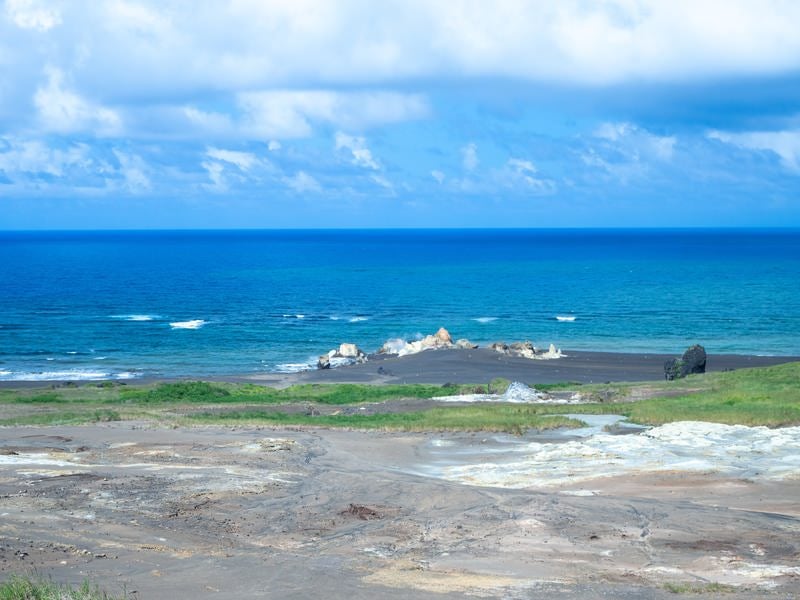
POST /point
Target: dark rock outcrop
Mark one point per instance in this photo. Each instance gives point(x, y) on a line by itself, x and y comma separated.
point(692, 362)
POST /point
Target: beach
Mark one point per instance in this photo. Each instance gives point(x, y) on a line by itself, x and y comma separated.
point(483, 364)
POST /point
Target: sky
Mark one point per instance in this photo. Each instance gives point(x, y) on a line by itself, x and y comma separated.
point(138, 114)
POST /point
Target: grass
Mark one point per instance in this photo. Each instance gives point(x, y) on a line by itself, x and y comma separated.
point(763, 396)
point(19, 587)
point(230, 393)
point(694, 588)
point(512, 419)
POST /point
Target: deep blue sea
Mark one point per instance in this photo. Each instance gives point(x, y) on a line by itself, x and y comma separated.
point(130, 304)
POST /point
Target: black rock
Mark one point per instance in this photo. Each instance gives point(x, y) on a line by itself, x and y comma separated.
point(692, 362)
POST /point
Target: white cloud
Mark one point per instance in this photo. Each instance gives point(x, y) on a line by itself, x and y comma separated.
point(382, 181)
point(636, 142)
point(301, 182)
point(63, 111)
point(438, 176)
point(786, 144)
point(215, 173)
point(469, 156)
point(521, 174)
point(359, 153)
point(33, 157)
point(243, 160)
point(163, 47)
point(134, 172)
point(292, 114)
point(30, 14)
point(274, 146)
point(208, 122)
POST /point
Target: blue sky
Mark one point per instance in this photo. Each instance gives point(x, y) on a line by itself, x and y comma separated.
point(255, 113)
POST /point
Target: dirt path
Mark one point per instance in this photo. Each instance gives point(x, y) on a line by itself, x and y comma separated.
point(258, 512)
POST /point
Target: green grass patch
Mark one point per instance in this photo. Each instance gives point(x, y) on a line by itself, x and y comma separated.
point(19, 587)
point(333, 394)
point(699, 588)
point(67, 417)
point(512, 419)
point(765, 396)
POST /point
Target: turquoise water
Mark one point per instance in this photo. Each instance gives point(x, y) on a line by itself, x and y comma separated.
point(84, 305)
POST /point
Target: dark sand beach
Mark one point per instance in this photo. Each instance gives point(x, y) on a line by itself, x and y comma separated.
point(482, 364)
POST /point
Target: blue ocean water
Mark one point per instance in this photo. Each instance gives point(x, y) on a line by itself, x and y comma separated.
point(128, 304)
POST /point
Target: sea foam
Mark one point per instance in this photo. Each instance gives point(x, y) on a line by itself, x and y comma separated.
point(193, 324)
point(295, 367)
point(136, 317)
point(485, 320)
point(566, 318)
point(65, 375)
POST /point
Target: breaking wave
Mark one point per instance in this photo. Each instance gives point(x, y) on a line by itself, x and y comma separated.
point(136, 317)
point(65, 375)
point(193, 324)
point(485, 320)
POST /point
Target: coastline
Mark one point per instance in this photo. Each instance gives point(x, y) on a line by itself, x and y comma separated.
point(479, 365)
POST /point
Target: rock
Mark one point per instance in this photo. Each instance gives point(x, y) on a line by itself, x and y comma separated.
point(443, 337)
point(350, 351)
point(692, 362)
point(345, 354)
point(522, 349)
point(465, 344)
point(500, 347)
point(519, 392)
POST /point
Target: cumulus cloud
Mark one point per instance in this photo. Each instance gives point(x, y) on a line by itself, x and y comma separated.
point(438, 176)
point(469, 156)
point(357, 148)
point(30, 14)
point(274, 146)
point(786, 144)
point(301, 183)
point(63, 111)
point(163, 47)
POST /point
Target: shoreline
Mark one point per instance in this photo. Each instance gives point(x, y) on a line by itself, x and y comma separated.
point(479, 365)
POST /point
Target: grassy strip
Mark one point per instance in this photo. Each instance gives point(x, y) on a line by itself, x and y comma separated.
point(203, 392)
point(512, 419)
point(69, 417)
point(29, 588)
point(765, 396)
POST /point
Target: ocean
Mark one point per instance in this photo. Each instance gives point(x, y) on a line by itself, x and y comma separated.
point(91, 305)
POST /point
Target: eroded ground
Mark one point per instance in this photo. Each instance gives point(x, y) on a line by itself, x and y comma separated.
point(292, 513)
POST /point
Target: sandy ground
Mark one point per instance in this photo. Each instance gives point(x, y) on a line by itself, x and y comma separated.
point(482, 364)
point(303, 513)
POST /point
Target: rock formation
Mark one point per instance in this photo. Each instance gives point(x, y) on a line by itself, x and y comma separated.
point(345, 354)
point(693, 361)
point(440, 339)
point(526, 350)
